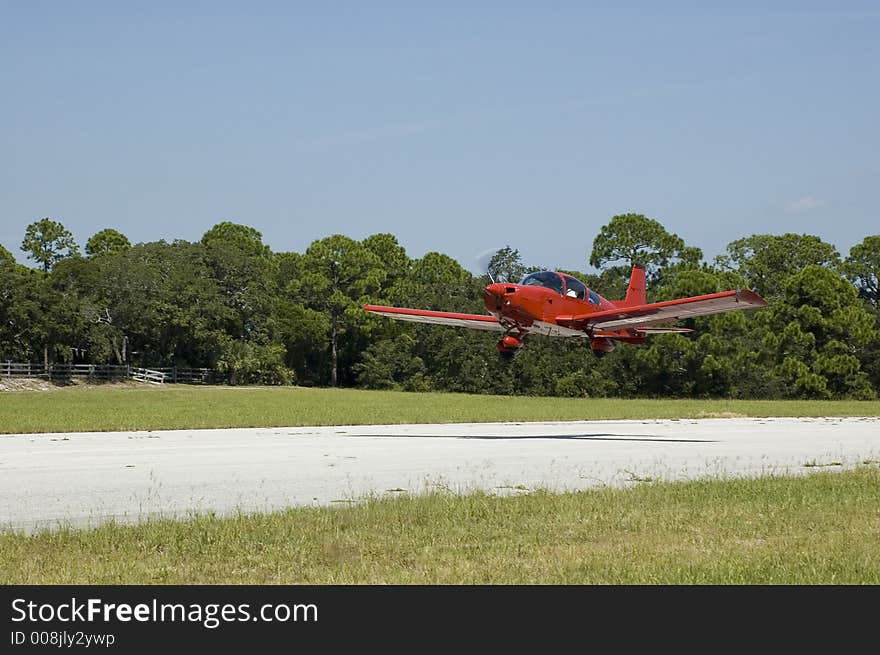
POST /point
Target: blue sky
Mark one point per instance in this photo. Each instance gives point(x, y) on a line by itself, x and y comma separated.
point(458, 127)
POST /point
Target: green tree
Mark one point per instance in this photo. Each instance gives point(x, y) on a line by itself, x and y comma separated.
point(817, 333)
point(698, 281)
point(506, 265)
point(437, 281)
point(767, 260)
point(57, 327)
point(288, 268)
point(6, 258)
point(158, 304)
point(637, 239)
point(393, 256)
point(303, 332)
point(301, 329)
point(338, 276)
point(455, 359)
point(107, 242)
point(247, 240)
point(94, 338)
point(862, 267)
point(21, 313)
point(706, 362)
point(47, 241)
point(244, 268)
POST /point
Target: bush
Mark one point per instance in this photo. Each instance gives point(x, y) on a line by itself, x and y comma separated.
point(250, 363)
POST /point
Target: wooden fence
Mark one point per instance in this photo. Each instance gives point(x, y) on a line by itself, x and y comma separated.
point(147, 375)
point(178, 375)
point(104, 372)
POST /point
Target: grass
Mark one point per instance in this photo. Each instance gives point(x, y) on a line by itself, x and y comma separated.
point(103, 408)
point(820, 528)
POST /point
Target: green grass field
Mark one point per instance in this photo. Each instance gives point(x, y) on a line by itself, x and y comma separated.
point(823, 528)
point(102, 408)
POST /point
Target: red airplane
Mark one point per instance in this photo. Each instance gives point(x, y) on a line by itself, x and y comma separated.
point(558, 305)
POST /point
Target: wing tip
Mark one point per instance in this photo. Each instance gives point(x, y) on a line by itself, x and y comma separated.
point(749, 297)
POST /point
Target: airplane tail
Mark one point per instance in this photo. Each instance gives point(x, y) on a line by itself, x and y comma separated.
point(635, 292)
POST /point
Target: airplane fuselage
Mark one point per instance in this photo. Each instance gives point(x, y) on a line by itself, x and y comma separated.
point(537, 308)
point(536, 303)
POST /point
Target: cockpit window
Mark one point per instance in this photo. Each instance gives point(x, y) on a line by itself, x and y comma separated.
point(574, 287)
point(547, 279)
point(594, 297)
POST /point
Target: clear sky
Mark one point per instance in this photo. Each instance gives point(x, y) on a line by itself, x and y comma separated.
point(456, 126)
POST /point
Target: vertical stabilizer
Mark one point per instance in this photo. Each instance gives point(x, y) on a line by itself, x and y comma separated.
point(635, 292)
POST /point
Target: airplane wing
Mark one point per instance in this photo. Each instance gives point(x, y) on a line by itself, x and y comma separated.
point(661, 330)
point(660, 312)
point(473, 321)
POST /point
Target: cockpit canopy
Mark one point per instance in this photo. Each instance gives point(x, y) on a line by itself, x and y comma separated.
point(547, 279)
point(562, 284)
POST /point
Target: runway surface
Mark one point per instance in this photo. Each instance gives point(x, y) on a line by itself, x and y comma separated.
point(48, 480)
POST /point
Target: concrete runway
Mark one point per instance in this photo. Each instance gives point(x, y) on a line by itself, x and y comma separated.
point(48, 480)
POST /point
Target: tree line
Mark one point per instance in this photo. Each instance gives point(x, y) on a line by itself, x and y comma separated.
point(229, 302)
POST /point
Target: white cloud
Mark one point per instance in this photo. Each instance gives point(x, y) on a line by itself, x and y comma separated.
point(806, 203)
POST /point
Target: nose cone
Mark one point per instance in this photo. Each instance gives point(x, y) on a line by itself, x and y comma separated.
point(497, 289)
point(493, 296)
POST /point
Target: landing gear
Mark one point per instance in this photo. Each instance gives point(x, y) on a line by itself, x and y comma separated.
point(509, 347)
point(601, 346)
